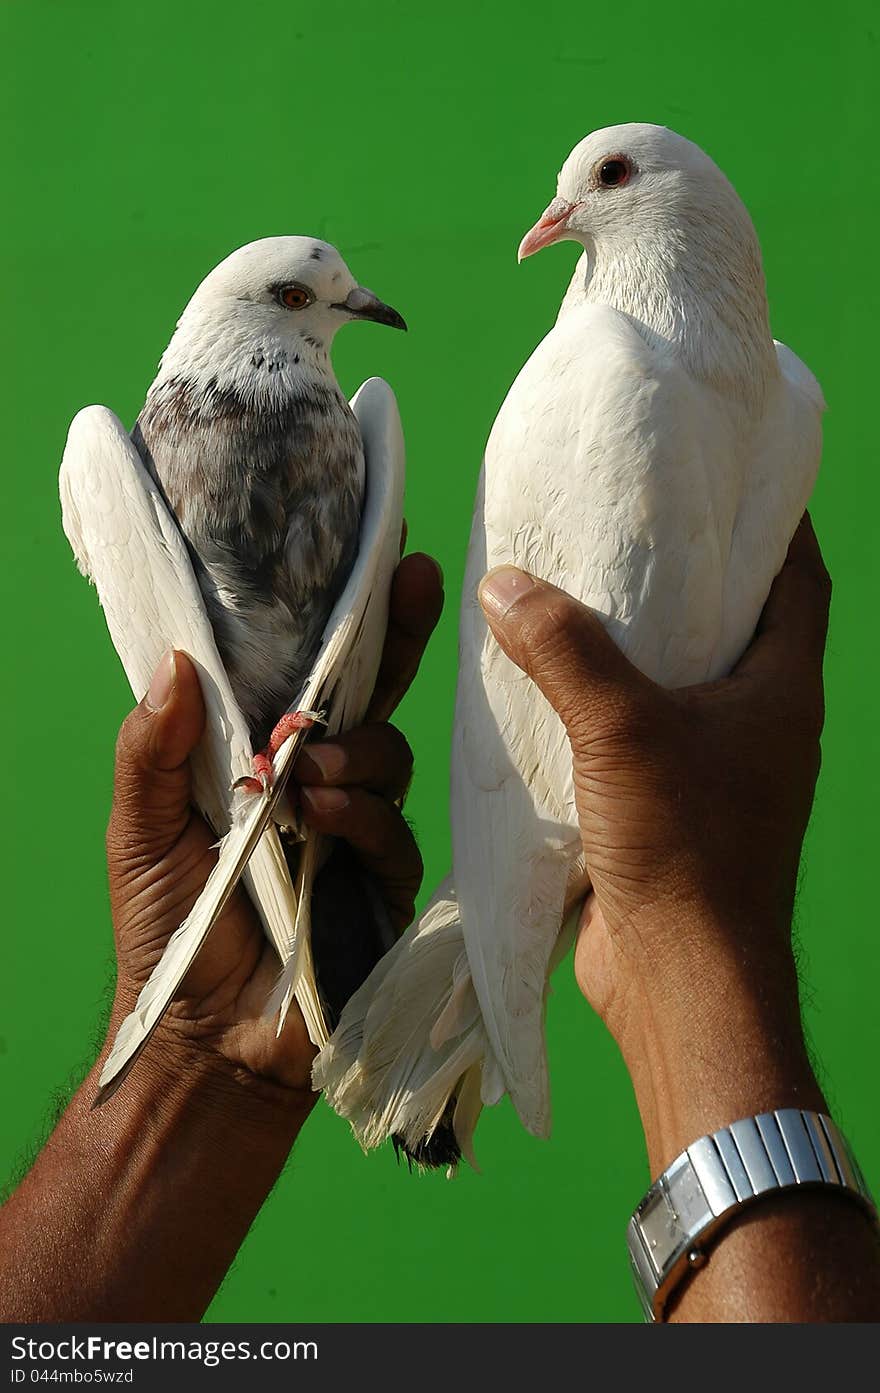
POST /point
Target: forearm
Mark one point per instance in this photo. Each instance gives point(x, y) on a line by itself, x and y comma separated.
point(710, 1039)
point(136, 1210)
point(719, 1039)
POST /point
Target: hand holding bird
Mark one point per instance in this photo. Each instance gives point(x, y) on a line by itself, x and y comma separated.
point(160, 852)
point(677, 791)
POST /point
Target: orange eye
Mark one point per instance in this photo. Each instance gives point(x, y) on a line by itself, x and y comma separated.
point(294, 297)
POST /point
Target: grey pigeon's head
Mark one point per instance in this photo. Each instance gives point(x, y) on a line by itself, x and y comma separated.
point(276, 303)
point(296, 282)
point(631, 183)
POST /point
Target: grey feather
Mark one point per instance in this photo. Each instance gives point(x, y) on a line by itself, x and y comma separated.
point(269, 502)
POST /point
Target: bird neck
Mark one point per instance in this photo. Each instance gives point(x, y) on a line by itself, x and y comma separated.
point(263, 368)
point(709, 305)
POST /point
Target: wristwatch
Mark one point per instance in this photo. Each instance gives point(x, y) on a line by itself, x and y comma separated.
point(707, 1185)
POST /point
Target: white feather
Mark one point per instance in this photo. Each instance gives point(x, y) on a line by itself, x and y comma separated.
point(128, 544)
point(379, 1069)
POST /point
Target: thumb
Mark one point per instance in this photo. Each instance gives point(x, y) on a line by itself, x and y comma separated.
point(561, 645)
point(151, 787)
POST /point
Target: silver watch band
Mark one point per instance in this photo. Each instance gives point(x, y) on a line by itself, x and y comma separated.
point(707, 1185)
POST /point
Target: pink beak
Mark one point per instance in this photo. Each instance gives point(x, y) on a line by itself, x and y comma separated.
point(550, 227)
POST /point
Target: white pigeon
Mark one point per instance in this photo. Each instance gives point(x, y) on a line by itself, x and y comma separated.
point(653, 458)
point(246, 390)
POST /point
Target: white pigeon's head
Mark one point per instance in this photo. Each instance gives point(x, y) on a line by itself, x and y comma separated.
point(668, 243)
point(629, 183)
point(285, 288)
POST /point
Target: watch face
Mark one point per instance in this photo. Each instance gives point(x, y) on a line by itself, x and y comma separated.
point(686, 1197)
point(658, 1226)
point(672, 1212)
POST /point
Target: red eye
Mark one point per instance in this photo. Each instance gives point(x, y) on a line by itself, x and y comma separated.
point(614, 172)
point(294, 297)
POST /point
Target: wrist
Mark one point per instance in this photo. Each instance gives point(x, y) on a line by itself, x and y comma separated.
point(711, 1034)
point(165, 1177)
point(180, 1066)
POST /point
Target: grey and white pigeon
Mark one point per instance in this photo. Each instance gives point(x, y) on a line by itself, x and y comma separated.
point(239, 522)
point(653, 458)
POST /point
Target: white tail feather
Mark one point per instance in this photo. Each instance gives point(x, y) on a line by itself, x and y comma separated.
point(411, 1039)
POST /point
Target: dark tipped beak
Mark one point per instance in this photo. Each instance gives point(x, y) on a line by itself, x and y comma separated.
point(363, 304)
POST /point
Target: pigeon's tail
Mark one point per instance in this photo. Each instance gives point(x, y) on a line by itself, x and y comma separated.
point(410, 1058)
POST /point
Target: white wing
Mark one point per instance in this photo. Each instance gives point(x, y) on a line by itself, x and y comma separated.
point(345, 670)
point(783, 468)
point(127, 542)
point(613, 475)
point(158, 584)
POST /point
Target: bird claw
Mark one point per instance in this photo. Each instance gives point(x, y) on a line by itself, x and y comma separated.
point(261, 780)
point(289, 724)
point(263, 776)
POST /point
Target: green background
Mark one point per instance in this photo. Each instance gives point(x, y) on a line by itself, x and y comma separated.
point(142, 143)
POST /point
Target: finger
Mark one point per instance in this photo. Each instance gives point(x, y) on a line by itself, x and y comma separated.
point(560, 644)
point(380, 836)
point(793, 627)
point(415, 606)
point(151, 786)
point(375, 757)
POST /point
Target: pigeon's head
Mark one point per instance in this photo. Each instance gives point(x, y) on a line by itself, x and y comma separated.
point(625, 184)
point(286, 287)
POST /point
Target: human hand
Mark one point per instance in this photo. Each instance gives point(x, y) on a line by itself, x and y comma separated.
point(692, 807)
point(160, 852)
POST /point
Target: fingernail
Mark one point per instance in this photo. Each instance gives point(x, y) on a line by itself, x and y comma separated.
point(163, 682)
point(438, 568)
point(328, 759)
point(502, 588)
point(326, 800)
